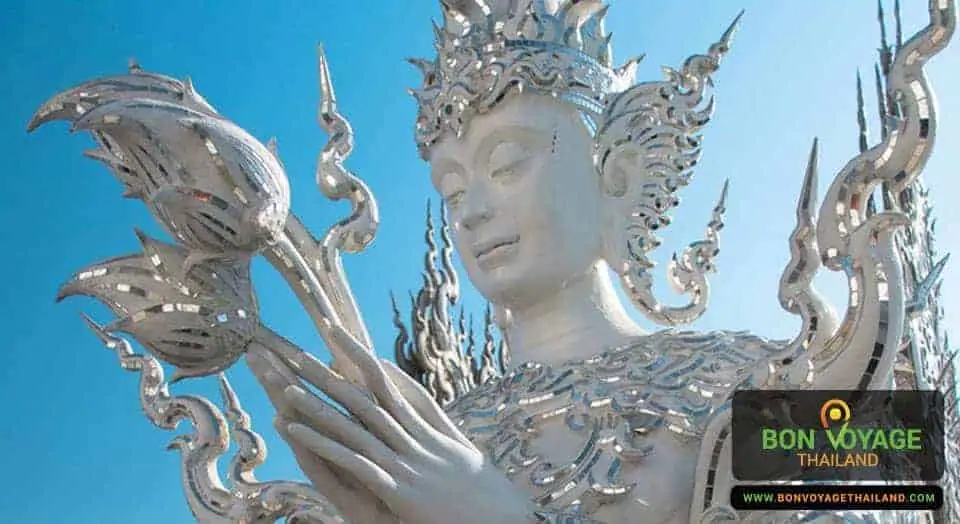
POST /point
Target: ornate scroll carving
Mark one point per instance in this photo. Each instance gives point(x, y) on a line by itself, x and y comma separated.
point(925, 359)
point(438, 348)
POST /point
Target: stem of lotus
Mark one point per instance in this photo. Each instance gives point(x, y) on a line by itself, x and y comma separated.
point(287, 258)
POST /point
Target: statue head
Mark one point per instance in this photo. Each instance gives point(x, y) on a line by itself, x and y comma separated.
point(551, 160)
point(523, 197)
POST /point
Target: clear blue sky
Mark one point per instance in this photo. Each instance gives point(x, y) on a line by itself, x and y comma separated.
point(76, 447)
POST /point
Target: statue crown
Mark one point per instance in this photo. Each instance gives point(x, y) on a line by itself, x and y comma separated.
point(486, 48)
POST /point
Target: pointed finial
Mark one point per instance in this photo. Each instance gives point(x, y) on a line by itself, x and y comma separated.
point(97, 328)
point(601, 14)
point(885, 60)
point(924, 289)
point(807, 202)
point(629, 69)
point(861, 114)
point(871, 205)
point(272, 146)
point(718, 49)
point(439, 34)
point(133, 67)
point(881, 100)
point(722, 201)
point(328, 100)
point(230, 399)
point(898, 24)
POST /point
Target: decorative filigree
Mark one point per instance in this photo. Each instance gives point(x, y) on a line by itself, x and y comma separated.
point(210, 501)
point(687, 273)
point(853, 237)
point(925, 359)
point(863, 247)
point(438, 352)
point(612, 403)
point(199, 319)
point(224, 196)
point(487, 48)
point(214, 187)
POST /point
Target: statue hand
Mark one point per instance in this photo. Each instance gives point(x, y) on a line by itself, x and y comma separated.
point(356, 503)
point(399, 446)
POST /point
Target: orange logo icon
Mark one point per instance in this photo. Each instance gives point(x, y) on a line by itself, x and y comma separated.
point(834, 411)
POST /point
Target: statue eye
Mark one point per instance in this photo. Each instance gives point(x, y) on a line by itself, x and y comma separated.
point(510, 169)
point(454, 198)
point(507, 158)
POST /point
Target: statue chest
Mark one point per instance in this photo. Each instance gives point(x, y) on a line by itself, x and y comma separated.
point(614, 438)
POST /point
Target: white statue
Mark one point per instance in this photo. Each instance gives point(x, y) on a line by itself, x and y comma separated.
point(556, 168)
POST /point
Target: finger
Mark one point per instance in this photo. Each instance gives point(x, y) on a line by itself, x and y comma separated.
point(272, 382)
point(378, 481)
point(329, 480)
point(365, 409)
point(428, 408)
point(328, 421)
point(382, 387)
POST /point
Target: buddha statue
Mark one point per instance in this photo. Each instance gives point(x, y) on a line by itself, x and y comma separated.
point(558, 171)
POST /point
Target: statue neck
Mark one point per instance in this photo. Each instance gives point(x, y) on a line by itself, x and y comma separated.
point(580, 320)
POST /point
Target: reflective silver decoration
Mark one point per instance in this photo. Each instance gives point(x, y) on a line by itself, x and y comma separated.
point(851, 236)
point(242, 498)
point(200, 320)
point(925, 360)
point(438, 350)
point(487, 49)
point(224, 197)
point(667, 384)
point(581, 437)
point(215, 188)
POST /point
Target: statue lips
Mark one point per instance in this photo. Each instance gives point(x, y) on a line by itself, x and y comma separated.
point(494, 252)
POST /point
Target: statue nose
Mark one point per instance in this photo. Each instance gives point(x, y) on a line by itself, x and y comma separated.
point(476, 209)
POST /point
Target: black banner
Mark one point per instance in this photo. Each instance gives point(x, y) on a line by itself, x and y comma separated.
point(847, 436)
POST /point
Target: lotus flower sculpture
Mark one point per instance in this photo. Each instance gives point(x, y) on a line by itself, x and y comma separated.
point(214, 187)
point(199, 320)
point(224, 198)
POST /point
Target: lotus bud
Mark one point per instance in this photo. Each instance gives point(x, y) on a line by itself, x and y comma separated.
point(212, 185)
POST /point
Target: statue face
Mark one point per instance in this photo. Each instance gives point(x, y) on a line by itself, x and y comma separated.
point(523, 197)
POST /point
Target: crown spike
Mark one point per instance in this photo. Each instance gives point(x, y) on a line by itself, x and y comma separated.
point(439, 34)
point(492, 35)
point(423, 65)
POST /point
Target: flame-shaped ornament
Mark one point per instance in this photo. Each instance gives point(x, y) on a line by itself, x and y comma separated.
point(199, 319)
point(212, 185)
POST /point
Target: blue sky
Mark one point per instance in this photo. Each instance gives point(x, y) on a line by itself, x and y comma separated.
point(76, 446)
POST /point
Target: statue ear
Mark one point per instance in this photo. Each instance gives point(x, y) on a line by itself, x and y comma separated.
point(618, 184)
point(615, 171)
